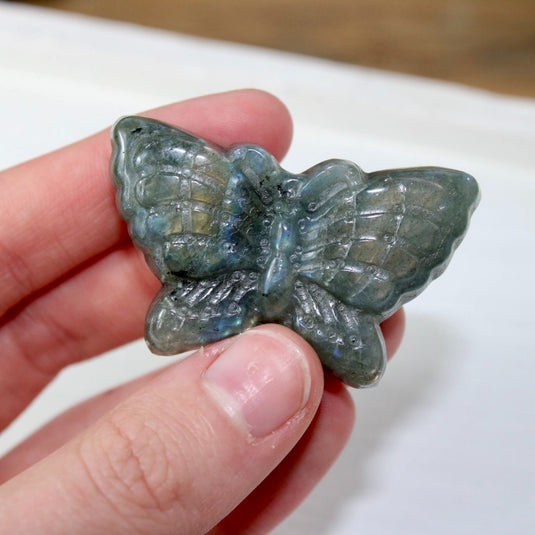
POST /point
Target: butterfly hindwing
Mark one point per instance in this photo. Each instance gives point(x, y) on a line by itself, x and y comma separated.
point(391, 234)
point(189, 313)
point(348, 341)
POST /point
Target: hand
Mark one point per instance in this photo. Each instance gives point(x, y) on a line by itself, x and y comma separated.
point(232, 438)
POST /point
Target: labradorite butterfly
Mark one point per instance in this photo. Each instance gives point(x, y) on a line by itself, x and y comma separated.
point(236, 241)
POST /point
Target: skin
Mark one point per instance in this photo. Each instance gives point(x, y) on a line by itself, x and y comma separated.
point(150, 456)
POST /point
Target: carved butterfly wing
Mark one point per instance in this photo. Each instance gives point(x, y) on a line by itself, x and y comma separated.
point(348, 341)
point(369, 244)
point(190, 312)
point(192, 214)
point(392, 235)
point(177, 194)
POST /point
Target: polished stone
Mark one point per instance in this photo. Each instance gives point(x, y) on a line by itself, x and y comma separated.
point(236, 241)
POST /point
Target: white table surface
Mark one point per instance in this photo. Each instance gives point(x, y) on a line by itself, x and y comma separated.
point(446, 444)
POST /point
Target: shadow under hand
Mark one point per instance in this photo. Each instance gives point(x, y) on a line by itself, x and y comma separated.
point(429, 358)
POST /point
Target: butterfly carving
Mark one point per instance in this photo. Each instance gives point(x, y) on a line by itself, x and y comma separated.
point(236, 241)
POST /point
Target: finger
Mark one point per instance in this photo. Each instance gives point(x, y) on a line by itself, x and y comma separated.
point(291, 482)
point(270, 502)
point(393, 329)
point(101, 307)
point(67, 425)
point(222, 419)
point(58, 211)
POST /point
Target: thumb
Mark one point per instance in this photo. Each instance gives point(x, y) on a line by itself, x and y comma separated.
point(183, 451)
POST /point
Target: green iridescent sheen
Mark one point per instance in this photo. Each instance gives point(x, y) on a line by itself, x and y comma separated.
point(236, 241)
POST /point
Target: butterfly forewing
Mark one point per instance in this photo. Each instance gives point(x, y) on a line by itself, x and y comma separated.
point(179, 199)
point(381, 248)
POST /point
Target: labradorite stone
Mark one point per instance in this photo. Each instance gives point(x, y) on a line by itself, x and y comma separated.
point(236, 241)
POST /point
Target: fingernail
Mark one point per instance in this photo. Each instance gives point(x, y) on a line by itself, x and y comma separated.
point(262, 379)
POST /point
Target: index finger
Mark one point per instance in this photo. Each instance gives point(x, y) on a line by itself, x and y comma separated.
point(58, 211)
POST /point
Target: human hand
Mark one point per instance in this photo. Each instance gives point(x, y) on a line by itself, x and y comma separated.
point(230, 439)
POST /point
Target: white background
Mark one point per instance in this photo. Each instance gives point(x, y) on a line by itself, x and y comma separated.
point(446, 443)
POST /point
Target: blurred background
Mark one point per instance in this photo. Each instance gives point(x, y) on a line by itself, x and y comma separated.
point(484, 43)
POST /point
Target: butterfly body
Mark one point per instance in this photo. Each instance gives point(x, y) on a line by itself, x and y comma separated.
point(236, 240)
